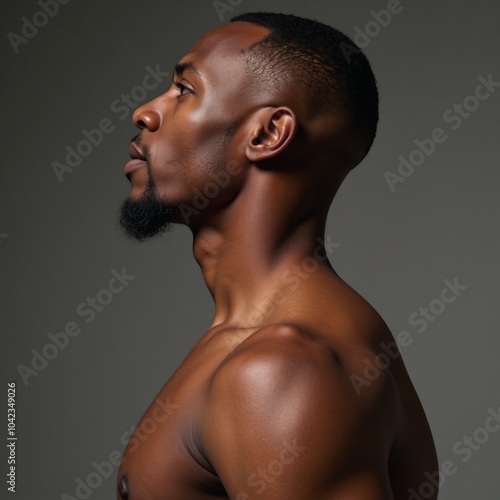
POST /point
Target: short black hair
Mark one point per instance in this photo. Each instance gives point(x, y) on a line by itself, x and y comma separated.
point(326, 63)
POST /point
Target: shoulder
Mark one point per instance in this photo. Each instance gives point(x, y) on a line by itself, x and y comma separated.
point(287, 385)
point(279, 357)
point(290, 357)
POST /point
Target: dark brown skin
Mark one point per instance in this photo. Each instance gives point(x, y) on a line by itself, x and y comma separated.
point(264, 405)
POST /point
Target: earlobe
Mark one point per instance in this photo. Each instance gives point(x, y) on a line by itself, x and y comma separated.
point(273, 131)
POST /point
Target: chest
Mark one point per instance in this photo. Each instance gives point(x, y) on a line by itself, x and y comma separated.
point(162, 458)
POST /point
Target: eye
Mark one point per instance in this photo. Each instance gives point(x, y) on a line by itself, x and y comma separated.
point(182, 88)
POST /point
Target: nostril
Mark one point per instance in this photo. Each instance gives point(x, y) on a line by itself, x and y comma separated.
point(146, 118)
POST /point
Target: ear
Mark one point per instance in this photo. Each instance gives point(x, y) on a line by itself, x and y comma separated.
point(272, 130)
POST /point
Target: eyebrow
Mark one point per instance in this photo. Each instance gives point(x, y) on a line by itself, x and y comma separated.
point(187, 66)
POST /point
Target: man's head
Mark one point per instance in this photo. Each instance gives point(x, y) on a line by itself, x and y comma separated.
point(264, 93)
point(320, 64)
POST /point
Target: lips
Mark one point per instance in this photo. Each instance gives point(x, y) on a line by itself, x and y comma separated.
point(135, 153)
point(138, 159)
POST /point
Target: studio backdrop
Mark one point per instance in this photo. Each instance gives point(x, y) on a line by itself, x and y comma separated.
point(94, 324)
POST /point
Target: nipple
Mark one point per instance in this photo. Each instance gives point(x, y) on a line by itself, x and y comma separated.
point(123, 487)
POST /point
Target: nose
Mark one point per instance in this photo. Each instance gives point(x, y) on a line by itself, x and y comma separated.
point(146, 116)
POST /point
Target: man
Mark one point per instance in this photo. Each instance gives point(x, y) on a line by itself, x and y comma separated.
point(265, 118)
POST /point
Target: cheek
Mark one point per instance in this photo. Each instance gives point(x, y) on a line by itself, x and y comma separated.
point(221, 178)
point(168, 156)
point(192, 153)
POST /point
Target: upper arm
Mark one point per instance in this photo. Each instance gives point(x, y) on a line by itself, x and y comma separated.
point(281, 420)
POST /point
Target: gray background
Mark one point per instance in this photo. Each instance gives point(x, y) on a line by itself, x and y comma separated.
point(396, 247)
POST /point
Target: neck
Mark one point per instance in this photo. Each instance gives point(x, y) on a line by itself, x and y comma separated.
point(247, 251)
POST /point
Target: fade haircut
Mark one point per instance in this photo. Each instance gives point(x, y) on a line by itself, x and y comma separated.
point(326, 64)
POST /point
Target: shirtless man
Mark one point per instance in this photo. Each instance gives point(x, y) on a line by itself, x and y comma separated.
point(265, 118)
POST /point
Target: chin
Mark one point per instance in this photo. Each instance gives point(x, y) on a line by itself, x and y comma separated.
point(145, 217)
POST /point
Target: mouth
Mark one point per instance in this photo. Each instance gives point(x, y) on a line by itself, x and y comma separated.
point(137, 159)
point(135, 153)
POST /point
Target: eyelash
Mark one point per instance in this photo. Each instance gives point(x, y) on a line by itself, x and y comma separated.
point(182, 87)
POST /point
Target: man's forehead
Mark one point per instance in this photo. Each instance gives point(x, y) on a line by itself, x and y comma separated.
point(226, 41)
